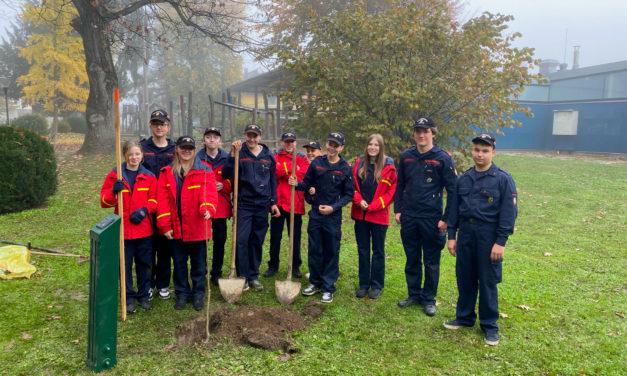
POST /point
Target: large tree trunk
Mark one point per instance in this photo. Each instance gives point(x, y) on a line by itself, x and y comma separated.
point(100, 137)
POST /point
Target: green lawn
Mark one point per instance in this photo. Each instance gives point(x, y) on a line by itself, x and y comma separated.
point(566, 262)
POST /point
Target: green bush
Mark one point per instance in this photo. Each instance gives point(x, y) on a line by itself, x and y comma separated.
point(35, 123)
point(78, 124)
point(64, 126)
point(28, 172)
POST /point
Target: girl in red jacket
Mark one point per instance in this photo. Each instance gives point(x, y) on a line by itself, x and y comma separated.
point(139, 198)
point(187, 199)
point(375, 183)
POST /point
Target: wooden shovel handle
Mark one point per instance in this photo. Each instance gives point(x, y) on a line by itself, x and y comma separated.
point(235, 194)
point(291, 243)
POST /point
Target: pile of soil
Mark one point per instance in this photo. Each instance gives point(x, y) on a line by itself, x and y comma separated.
point(263, 327)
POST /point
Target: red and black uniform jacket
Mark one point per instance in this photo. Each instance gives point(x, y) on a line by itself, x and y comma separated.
point(283, 171)
point(198, 195)
point(144, 195)
point(379, 208)
point(225, 204)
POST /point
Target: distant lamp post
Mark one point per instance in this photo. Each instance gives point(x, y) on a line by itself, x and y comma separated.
point(5, 88)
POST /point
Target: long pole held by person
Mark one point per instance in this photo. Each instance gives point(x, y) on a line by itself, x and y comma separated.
point(118, 157)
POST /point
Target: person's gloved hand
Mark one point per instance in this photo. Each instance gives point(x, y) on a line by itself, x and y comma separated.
point(138, 215)
point(118, 186)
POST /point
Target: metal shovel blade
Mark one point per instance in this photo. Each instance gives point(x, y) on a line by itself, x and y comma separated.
point(231, 288)
point(286, 291)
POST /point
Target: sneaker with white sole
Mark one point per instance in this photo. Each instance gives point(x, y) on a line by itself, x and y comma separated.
point(150, 295)
point(164, 293)
point(455, 324)
point(311, 290)
point(492, 338)
point(327, 297)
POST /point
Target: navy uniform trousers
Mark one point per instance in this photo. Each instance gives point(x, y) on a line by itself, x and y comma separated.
point(371, 274)
point(140, 251)
point(196, 253)
point(218, 235)
point(324, 251)
point(476, 273)
point(161, 259)
point(276, 233)
point(422, 241)
point(252, 226)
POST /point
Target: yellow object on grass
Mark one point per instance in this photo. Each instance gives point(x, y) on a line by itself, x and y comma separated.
point(14, 262)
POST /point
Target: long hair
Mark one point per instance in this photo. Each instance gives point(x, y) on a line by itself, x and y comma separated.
point(379, 161)
point(177, 163)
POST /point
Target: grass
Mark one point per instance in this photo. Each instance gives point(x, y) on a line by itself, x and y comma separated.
point(566, 262)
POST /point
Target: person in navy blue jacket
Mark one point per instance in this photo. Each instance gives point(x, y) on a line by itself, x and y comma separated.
point(329, 181)
point(257, 195)
point(158, 153)
point(423, 172)
point(483, 218)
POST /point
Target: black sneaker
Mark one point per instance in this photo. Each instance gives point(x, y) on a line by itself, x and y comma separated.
point(374, 293)
point(454, 325)
point(270, 272)
point(255, 285)
point(131, 308)
point(407, 302)
point(492, 338)
point(214, 280)
point(150, 294)
point(199, 304)
point(246, 287)
point(297, 274)
point(361, 293)
point(180, 304)
point(429, 309)
point(311, 290)
point(146, 305)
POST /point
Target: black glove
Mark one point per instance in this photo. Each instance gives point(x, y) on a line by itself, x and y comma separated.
point(138, 215)
point(118, 186)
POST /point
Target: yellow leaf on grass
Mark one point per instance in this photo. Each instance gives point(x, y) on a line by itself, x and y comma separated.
point(524, 307)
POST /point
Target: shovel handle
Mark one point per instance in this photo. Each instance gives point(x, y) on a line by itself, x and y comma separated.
point(235, 194)
point(291, 242)
point(118, 157)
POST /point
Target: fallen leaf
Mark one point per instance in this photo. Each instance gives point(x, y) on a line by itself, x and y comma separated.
point(524, 307)
point(620, 314)
point(284, 357)
point(611, 333)
point(75, 341)
point(56, 317)
point(437, 303)
point(9, 346)
point(169, 347)
point(503, 315)
point(548, 254)
point(26, 336)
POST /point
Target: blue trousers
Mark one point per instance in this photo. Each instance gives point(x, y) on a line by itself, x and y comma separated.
point(422, 243)
point(218, 235)
point(371, 274)
point(161, 261)
point(476, 273)
point(276, 233)
point(196, 253)
point(138, 250)
point(324, 252)
point(252, 225)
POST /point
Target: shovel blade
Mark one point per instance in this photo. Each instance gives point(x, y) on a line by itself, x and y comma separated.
point(231, 288)
point(286, 291)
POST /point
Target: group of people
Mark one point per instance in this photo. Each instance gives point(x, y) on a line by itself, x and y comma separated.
point(175, 199)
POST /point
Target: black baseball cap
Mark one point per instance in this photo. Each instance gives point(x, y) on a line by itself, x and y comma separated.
point(485, 139)
point(336, 137)
point(212, 130)
point(160, 115)
point(185, 141)
point(288, 136)
point(424, 122)
point(253, 128)
point(313, 145)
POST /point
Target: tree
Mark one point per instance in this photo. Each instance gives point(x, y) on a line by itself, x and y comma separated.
point(57, 76)
point(376, 72)
point(12, 64)
point(98, 23)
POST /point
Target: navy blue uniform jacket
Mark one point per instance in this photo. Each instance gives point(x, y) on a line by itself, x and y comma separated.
point(257, 178)
point(334, 186)
point(491, 198)
point(156, 158)
point(421, 179)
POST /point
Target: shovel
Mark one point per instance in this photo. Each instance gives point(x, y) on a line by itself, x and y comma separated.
point(287, 291)
point(231, 288)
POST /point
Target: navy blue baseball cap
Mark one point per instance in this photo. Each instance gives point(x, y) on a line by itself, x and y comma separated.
point(313, 145)
point(336, 137)
point(212, 130)
point(486, 139)
point(253, 128)
point(288, 136)
point(185, 141)
point(424, 122)
point(160, 115)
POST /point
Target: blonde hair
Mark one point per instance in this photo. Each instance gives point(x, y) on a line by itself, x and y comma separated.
point(177, 163)
point(379, 161)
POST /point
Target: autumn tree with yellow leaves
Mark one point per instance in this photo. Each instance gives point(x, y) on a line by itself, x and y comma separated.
point(57, 76)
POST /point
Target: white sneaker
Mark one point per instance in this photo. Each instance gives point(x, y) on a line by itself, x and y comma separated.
point(327, 297)
point(310, 290)
point(164, 293)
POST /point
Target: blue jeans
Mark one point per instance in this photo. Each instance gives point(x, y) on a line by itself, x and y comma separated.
point(371, 275)
point(196, 253)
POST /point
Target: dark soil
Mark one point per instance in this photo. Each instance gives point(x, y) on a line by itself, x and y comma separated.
point(263, 327)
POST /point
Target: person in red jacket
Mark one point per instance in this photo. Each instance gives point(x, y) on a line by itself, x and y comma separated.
point(213, 156)
point(283, 171)
point(139, 199)
point(187, 199)
point(375, 183)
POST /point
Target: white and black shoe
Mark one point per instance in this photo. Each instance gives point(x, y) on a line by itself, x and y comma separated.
point(164, 293)
point(327, 297)
point(311, 290)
